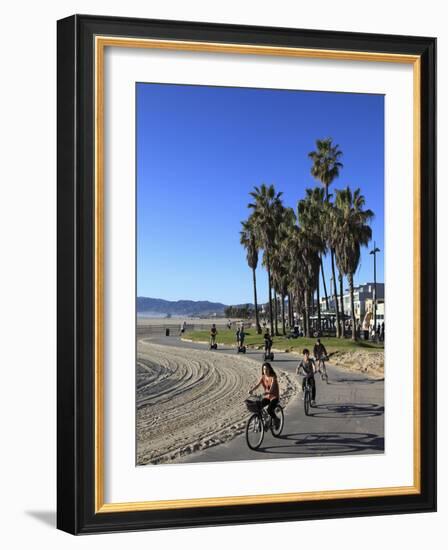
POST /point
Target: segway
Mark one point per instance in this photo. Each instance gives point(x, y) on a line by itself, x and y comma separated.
point(241, 349)
point(268, 356)
point(213, 345)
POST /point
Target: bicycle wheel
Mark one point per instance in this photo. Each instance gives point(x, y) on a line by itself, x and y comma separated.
point(276, 432)
point(254, 431)
point(307, 402)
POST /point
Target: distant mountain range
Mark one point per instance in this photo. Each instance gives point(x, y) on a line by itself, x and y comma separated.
point(157, 307)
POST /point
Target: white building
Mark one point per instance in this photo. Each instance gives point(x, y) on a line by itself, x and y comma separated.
point(362, 295)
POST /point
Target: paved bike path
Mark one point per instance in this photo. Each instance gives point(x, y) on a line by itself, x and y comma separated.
point(348, 418)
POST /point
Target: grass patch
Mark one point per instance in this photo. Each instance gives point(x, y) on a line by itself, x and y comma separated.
point(281, 342)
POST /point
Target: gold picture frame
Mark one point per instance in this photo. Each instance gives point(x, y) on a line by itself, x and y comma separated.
point(102, 33)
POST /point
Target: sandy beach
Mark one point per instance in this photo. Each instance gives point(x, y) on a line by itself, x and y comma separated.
point(369, 363)
point(189, 399)
point(142, 320)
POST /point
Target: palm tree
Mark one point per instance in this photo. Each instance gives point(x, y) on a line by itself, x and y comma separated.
point(333, 232)
point(326, 164)
point(354, 232)
point(310, 215)
point(341, 294)
point(249, 241)
point(326, 167)
point(303, 269)
point(265, 212)
point(280, 260)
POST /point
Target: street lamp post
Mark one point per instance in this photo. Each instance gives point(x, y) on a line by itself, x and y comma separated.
point(374, 252)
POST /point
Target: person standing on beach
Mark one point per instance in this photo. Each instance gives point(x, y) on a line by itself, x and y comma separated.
point(271, 395)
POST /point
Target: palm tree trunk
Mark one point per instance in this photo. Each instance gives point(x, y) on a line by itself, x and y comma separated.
point(319, 321)
point(307, 314)
point(352, 303)
point(290, 309)
point(323, 280)
point(283, 315)
point(257, 320)
point(341, 292)
point(271, 320)
point(298, 308)
point(275, 312)
point(338, 331)
point(327, 198)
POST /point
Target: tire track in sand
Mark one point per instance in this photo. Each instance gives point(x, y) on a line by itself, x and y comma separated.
point(189, 399)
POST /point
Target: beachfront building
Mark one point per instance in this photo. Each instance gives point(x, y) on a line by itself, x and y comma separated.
point(369, 317)
point(363, 301)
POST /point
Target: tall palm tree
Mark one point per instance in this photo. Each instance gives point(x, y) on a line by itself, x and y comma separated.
point(354, 232)
point(303, 269)
point(326, 167)
point(341, 294)
point(249, 241)
point(333, 233)
point(310, 216)
point(265, 212)
point(280, 260)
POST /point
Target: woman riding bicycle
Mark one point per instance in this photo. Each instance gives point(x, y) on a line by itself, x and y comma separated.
point(271, 393)
point(308, 367)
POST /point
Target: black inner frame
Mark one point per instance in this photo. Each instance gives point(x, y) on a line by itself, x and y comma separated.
point(76, 262)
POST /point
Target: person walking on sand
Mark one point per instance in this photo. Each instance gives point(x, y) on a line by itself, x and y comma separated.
point(307, 367)
point(271, 394)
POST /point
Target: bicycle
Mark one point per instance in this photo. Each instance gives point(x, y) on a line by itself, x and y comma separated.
point(260, 422)
point(322, 368)
point(307, 396)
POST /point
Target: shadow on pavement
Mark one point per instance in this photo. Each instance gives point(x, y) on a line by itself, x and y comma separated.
point(346, 410)
point(321, 444)
point(358, 381)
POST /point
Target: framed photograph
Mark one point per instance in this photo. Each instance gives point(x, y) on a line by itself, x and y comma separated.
point(246, 274)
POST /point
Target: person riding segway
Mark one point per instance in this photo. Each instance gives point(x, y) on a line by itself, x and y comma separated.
point(240, 335)
point(213, 334)
point(268, 355)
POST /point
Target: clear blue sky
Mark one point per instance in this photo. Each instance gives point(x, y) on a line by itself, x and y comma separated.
point(201, 149)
